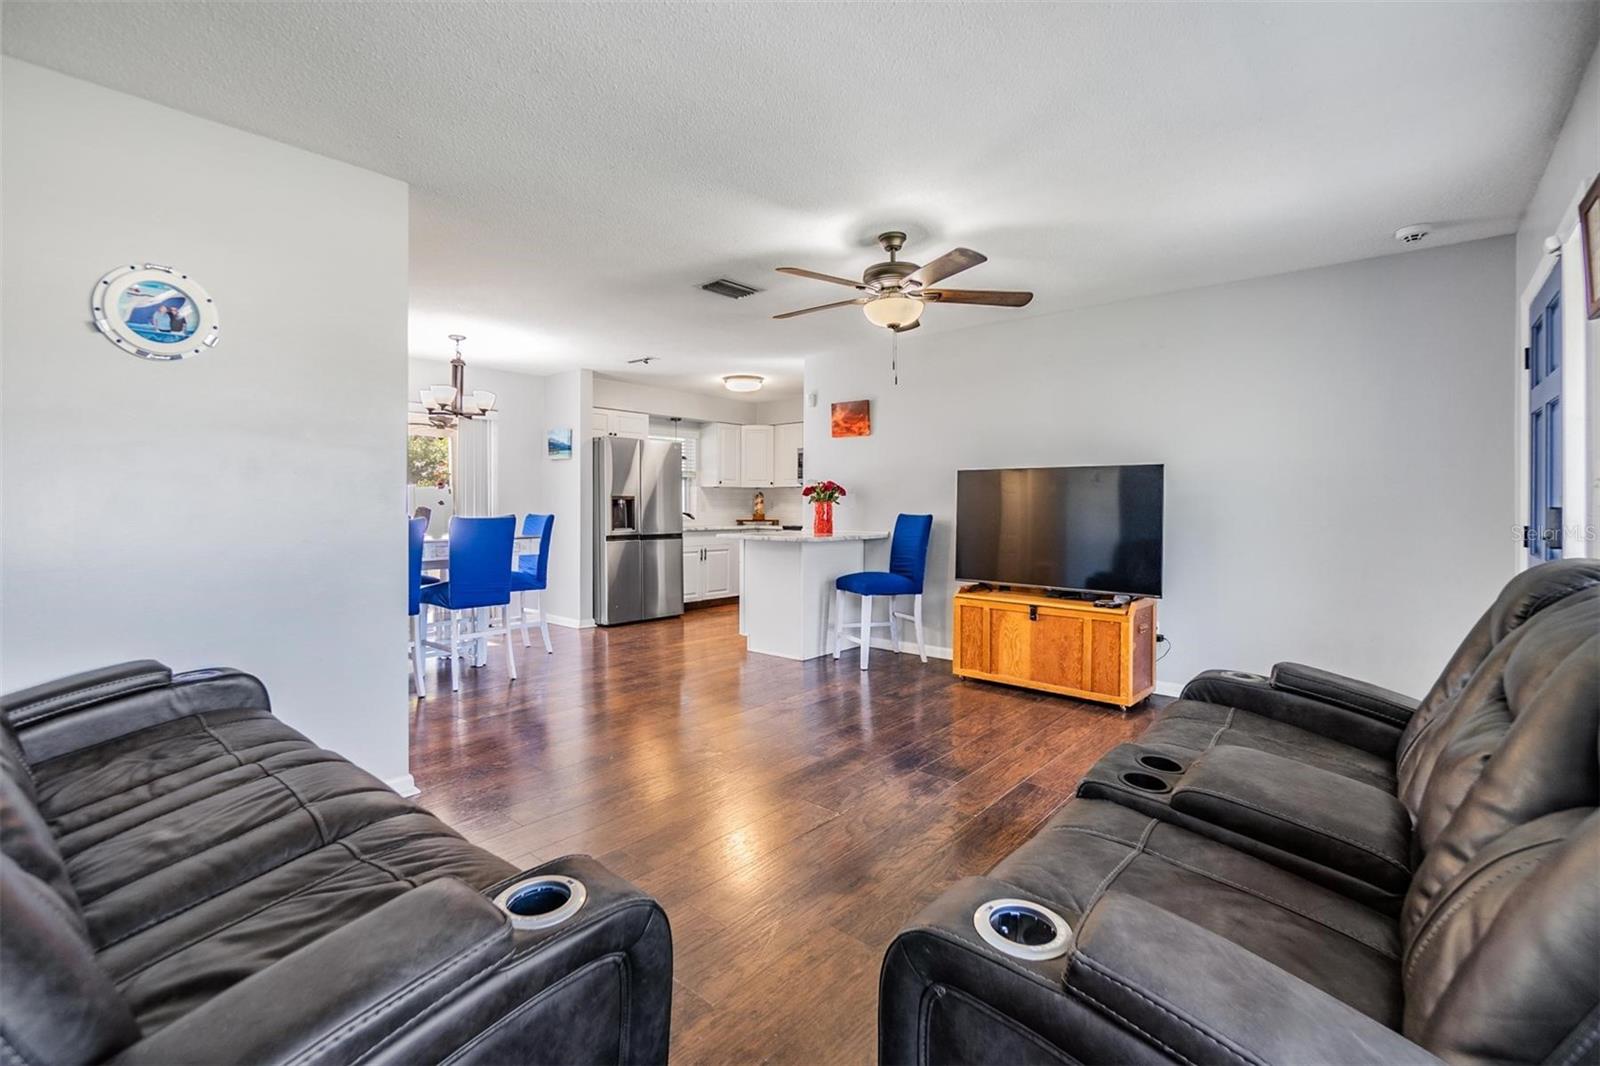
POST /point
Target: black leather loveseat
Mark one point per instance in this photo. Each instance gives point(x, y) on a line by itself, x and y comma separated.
point(1302, 869)
point(184, 879)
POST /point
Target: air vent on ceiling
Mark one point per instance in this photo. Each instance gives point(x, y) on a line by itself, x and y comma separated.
point(731, 289)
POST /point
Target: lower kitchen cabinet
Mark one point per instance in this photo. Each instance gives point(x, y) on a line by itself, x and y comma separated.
point(710, 567)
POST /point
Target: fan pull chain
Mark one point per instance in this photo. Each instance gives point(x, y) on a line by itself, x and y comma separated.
point(894, 355)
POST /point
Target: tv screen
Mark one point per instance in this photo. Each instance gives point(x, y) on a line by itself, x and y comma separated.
point(1078, 528)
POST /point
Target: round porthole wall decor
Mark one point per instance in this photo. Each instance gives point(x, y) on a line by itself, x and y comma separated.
point(155, 312)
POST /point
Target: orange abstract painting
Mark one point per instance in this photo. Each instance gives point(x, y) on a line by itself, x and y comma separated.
point(853, 418)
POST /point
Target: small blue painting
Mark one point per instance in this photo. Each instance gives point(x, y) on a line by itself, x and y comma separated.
point(158, 312)
point(558, 444)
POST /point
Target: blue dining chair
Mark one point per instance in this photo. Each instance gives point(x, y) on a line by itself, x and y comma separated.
point(419, 629)
point(531, 574)
point(908, 560)
point(478, 581)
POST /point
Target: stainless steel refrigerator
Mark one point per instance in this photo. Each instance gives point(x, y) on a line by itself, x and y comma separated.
point(638, 557)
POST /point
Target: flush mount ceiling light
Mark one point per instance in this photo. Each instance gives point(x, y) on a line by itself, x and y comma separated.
point(446, 404)
point(894, 291)
point(743, 382)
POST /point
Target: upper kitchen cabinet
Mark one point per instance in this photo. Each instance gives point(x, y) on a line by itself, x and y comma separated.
point(786, 472)
point(610, 423)
point(755, 452)
point(720, 455)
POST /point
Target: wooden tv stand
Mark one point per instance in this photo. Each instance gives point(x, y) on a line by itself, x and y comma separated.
point(1070, 647)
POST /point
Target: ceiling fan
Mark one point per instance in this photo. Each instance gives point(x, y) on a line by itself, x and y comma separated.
point(895, 292)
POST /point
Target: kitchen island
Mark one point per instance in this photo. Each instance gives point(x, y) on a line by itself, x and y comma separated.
point(787, 587)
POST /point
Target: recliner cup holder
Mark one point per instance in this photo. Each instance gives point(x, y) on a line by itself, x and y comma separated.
point(1144, 782)
point(541, 902)
point(1022, 929)
point(1161, 764)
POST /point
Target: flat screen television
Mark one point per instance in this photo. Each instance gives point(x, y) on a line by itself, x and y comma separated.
point(1069, 528)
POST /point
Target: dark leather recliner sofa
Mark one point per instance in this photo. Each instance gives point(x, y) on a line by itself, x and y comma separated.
point(1302, 869)
point(184, 879)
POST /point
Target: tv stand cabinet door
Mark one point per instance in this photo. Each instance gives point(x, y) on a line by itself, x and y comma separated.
point(1009, 643)
point(1061, 650)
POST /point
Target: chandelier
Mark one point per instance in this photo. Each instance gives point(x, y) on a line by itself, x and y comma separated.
point(446, 404)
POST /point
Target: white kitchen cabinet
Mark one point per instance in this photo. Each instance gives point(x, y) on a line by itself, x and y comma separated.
point(755, 456)
point(718, 573)
point(720, 455)
point(710, 567)
point(693, 568)
point(786, 455)
point(612, 423)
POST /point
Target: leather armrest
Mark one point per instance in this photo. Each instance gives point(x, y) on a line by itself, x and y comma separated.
point(1256, 694)
point(1361, 697)
point(33, 705)
point(439, 974)
point(1331, 820)
point(60, 717)
point(336, 998)
point(1244, 1009)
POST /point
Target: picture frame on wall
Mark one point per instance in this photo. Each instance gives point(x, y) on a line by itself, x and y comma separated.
point(852, 418)
point(558, 443)
point(1589, 225)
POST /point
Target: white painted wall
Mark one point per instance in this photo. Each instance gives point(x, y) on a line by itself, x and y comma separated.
point(518, 428)
point(1574, 162)
point(144, 502)
point(1337, 445)
point(566, 487)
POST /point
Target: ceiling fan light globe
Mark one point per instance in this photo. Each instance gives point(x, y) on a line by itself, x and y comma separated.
point(893, 311)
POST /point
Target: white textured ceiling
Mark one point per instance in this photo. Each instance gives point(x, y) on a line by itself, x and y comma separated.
point(578, 170)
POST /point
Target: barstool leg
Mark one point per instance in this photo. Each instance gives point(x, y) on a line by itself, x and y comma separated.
point(838, 621)
point(916, 616)
point(418, 634)
point(544, 623)
point(455, 653)
point(522, 619)
point(894, 626)
point(511, 654)
point(866, 629)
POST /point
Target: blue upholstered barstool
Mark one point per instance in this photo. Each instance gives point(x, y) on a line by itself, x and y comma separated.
point(530, 575)
point(419, 631)
point(479, 579)
point(908, 559)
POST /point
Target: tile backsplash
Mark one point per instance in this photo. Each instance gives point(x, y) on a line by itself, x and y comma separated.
point(712, 506)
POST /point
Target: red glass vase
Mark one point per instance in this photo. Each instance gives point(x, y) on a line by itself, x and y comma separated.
point(822, 518)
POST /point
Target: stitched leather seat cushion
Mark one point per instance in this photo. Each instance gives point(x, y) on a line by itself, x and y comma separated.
point(869, 583)
point(1189, 727)
point(204, 849)
point(1347, 950)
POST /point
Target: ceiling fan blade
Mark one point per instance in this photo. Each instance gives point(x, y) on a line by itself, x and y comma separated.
point(823, 307)
point(952, 262)
point(990, 297)
point(802, 272)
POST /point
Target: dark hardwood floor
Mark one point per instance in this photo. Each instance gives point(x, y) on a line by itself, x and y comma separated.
point(789, 816)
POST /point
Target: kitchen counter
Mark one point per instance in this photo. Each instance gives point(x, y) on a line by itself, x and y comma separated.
point(787, 587)
point(720, 528)
point(800, 535)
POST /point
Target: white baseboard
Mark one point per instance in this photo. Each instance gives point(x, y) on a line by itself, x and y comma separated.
point(1168, 688)
point(569, 623)
point(907, 647)
point(405, 784)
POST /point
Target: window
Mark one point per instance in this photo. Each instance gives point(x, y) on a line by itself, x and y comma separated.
point(428, 458)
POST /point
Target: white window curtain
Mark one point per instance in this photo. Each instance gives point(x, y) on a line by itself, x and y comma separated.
point(474, 473)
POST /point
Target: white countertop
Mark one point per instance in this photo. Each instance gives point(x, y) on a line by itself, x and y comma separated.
point(792, 536)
